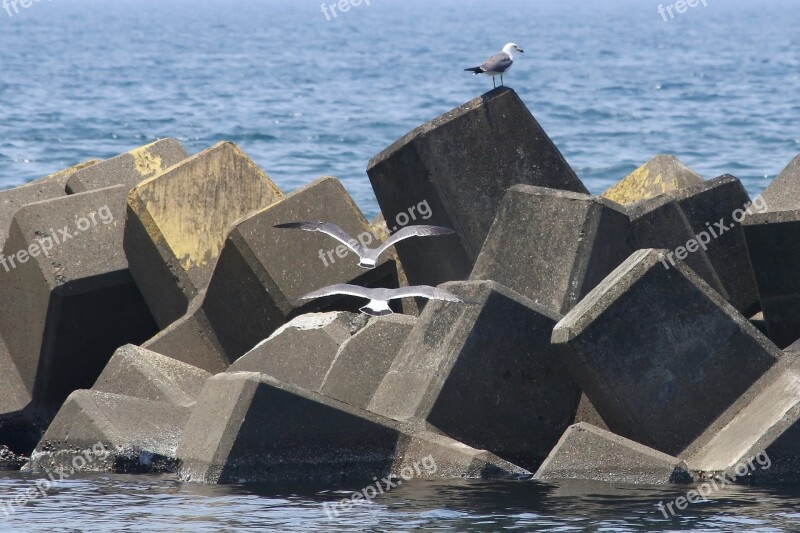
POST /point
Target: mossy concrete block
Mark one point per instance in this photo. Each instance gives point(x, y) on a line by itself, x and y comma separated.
point(659, 353)
point(553, 246)
point(664, 174)
point(140, 373)
point(178, 221)
point(588, 452)
point(261, 273)
point(128, 169)
point(474, 373)
point(459, 165)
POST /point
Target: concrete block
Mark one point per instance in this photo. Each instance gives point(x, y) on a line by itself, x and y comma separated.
point(62, 176)
point(681, 357)
point(472, 372)
point(128, 169)
point(662, 174)
point(783, 193)
point(178, 221)
point(19, 427)
point(13, 199)
point(364, 359)
point(660, 223)
point(302, 351)
point(587, 412)
point(66, 278)
point(715, 208)
point(773, 243)
point(553, 246)
point(261, 272)
point(758, 437)
point(249, 427)
point(458, 166)
point(588, 452)
point(140, 373)
point(100, 432)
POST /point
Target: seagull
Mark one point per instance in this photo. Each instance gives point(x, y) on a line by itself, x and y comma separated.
point(498, 64)
point(368, 257)
point(379, 298)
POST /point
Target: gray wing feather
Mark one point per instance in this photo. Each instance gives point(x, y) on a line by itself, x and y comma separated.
point(412, 231)
point(339, 288)
point(328, 228)
point(497, 63)
point(424, 291)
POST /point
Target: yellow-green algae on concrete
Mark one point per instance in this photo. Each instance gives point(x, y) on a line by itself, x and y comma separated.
point(662, 174)
point(191, 206)
point(63, 175)
point(145, 162)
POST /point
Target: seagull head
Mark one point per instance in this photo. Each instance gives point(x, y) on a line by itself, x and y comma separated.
point(511, 49)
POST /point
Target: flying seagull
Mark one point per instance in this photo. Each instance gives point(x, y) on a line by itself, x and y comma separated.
point(368, 257)
point(379, 298)
point(498, 64)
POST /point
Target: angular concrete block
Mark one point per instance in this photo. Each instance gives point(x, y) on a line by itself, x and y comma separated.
point(74, 302)
point(660, 223)
point(662, 174)
point(458, 166)
point(553, 246)
point(773, 243)
point(364, 359)
point(783, 193)
point(261, 272)
point(714, 210)
point(586, 412)
point(19, 428)
point(302, 351)
point(588, 452)
point(13, 199)
point(484, 373)
point(101, 432)
point(128, 169)
point(758, 437)
point(62, 176)
point(249, 427)
point(140, 373)
point(178, 221)
point(659, 354)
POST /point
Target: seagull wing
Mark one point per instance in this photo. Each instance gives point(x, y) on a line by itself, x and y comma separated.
point(497, 63)
point(412, 231)
point(339, 288)
point(328, 228)
point(424, 291)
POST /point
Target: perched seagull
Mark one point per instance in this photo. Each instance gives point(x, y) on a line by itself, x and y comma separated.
point(379, 298)
point(498, 64)
point(368, 257)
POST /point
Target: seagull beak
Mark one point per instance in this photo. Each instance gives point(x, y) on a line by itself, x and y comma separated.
point(520, 50)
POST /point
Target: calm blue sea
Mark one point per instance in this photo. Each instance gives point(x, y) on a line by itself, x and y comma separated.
point(613, 82)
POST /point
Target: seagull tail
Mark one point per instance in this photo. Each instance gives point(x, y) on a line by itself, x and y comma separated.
point(474, 70)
